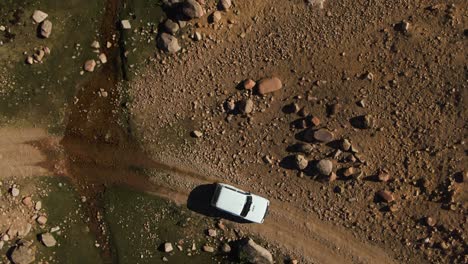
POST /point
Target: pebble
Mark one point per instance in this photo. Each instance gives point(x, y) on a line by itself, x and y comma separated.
point(42, 220)
point(29, 60)
point(103, 58)
point(171, 27)
point(196, 134)
point(387, 196)
point(323, 135)
point(300, 162)
point(315, 121)
point(383, 176)
point(168, 43)
point(208, 248)
point(27, 201)
point(269, 85)
point(2, 28)
point(48, 240)
point(89, 65)
point(332, 177)
point(14, 191)
point(246, 106)
point(249, 84)
point(168, 247)
point(38, 16)
point(46, 28)
point(430, 221)
point(95, 44)
point(212, 232)
point(305, 148)
point(324, 167)
point(345, 145)
point(349, 172)
point(215, 17)
point(192, 9)
point(225, 4)
point(125, 24)
point(38, 206)
point(226, 248)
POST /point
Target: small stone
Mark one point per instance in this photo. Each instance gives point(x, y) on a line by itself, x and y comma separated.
point(38, 16)
point(430, 221)
point(23, 254)
point(349, 172)
point(5, 237)
point(345, 145)
point(404, 26)
point(368, 121)
point(46, 50)
point(212, 232)
point(246, 106)
point(27, 201)
point(46, 28)
point(315, 121)
point(168, 43)
point(383, 176)
point(39, 55)
point(165, 259)
point(304, 148)
point(215, 17)
point(208, 248)
point(386, 196)
point(42, 220)
point(95, 44)
point(269, 85)
point(332, 177)
point(89, 65)
point(192, 9)
point(14, 191)
point(362, 103)
point(334, 109)
point(324, 167)
point(300, 162)
point(224, 4)
point(171, 27)
point(323, 135)
point(293, 108)
point(197, 36)
point(38, 206)
point(249, 84)
point(225, 248)
point(168, 247)
point(48, 240)
point(103, 58)
point(29, 60)
point(196, 134)
point(2, 28)
point(125, 24)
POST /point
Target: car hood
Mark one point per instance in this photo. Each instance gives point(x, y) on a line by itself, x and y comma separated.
point(258, 209)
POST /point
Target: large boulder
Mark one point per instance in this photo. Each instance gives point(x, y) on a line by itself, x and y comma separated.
point(23, 253)
point(251, 252)
point(45, 28)
point(192, 9)
point(168, 43)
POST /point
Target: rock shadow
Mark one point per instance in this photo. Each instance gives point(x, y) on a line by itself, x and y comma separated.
point(199, 201)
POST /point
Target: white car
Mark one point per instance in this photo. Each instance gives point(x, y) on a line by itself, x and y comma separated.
point(234, 201)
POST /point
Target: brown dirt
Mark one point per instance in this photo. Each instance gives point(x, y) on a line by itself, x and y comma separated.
point(415, 96)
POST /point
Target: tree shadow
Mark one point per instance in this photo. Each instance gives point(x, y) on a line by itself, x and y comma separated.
point(199, 201)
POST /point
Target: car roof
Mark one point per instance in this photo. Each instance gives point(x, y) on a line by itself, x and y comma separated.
point(231, 200)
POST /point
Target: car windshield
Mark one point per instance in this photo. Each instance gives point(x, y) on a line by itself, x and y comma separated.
point(247, 205)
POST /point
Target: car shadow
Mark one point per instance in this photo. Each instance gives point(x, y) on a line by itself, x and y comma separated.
point(199, 201)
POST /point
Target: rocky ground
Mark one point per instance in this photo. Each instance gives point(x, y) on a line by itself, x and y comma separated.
point(347, 115)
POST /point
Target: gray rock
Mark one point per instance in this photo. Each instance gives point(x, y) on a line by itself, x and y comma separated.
point(215, 17)
point(168, 43)
point(125, 24)
point(196, 134)
point(171, 26)
point(48, 240)
point(23, 254)
point(269, 85)
point(38, 16)
point(246, 106)
point(89, 65)
point(46, 28)
point(208, 248)
point(300, 162)
point(224, 4)
point(324, 167)
point(226, 248)
point(14, 191)
point(192, 9)
point(251, 252)
point(168, 247)
point(211, 232)
point(323, 135)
